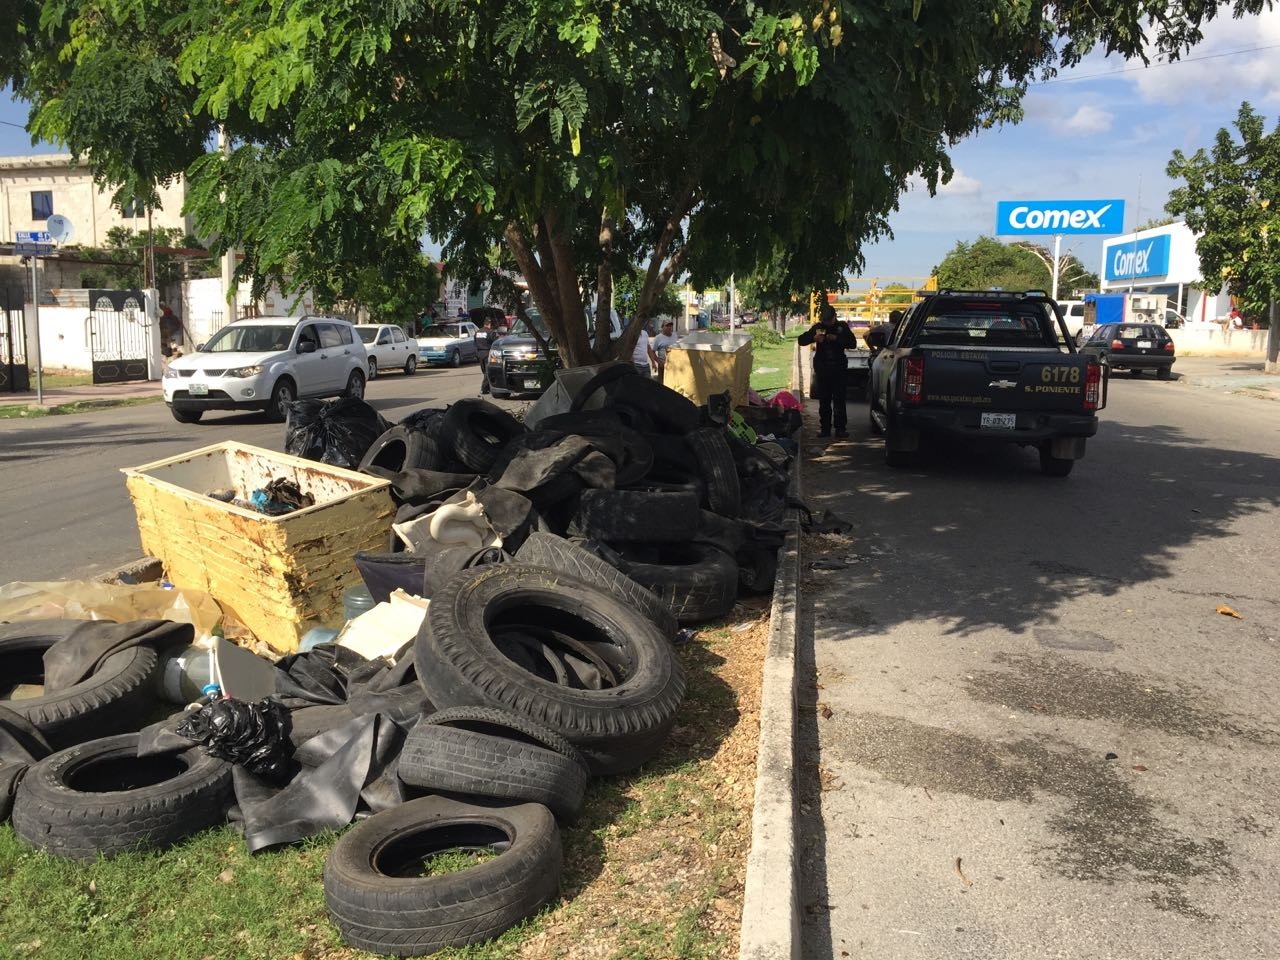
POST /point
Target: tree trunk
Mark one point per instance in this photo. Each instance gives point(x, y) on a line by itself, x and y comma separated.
point(1273, 338)
point(539, 287)
point(604, 289)
point(575, 346)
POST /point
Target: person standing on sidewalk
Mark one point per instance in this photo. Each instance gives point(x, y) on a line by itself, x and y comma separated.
point(663, 342)
point(831, 337)
point(643, 355)
point(484, 337)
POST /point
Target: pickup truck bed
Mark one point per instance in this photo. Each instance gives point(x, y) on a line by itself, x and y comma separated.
point(989, 366)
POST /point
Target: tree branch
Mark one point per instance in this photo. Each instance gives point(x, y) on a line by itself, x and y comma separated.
point(539, 288)
point(653, 282)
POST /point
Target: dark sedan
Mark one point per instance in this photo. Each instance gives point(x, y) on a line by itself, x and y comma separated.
point(1134, 347)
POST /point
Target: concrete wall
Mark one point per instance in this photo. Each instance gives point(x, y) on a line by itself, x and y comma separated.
point(204, 311)
point(1210, 341)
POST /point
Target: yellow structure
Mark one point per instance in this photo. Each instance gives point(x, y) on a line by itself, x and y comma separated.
point(869, 299)
point(704, 364)
point(280, 576)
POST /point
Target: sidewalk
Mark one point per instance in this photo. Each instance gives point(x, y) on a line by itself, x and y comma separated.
point(1230, 376)
point(97, 393)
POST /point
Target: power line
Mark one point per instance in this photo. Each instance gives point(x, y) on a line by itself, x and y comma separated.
point(1152, 66)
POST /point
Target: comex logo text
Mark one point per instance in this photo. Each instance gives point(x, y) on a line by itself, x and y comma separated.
point(1024, 218)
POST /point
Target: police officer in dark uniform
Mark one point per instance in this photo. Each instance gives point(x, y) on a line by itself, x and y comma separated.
point(832, 337)
point(485, 335)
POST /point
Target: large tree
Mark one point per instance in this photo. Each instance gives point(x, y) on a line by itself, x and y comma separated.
point(588, 135)
point(1230, 196)
point(987, 264)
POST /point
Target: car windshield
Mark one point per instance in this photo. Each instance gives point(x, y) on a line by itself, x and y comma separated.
point(250, 339)
point(367, 334)
point(449, 330)
point(1138, 333)
point(1003, 324)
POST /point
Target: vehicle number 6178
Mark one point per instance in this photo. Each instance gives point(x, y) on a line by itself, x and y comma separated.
point(1059, 374)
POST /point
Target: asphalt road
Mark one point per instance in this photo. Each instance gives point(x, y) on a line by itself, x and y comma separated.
point(1029, 732)
point(64, 510)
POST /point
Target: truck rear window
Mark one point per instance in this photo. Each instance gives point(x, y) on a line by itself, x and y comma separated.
point(988, 324)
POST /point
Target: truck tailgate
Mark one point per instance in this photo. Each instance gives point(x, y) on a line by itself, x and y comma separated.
point(1039, 381)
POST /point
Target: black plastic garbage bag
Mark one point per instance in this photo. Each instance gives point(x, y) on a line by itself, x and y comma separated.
point(253, 735)
point(339, 431)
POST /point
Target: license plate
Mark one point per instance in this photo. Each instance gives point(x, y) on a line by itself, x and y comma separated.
point(999, 421)
point(1144, 344)
point(198, 389)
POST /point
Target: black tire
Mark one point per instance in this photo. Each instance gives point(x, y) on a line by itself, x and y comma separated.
point(1052, 466)
point(630, 452)
point(718, 470)
point(669, 411)
point(896, 458)
point(373, 368)
point(617, 727)
point(547, 550)
point(411, 365)
point(638, 516)
point(757, 569)
point(455, 359)
point(186, 416)
point(101, 798)
point(116, 698)
point(379, 904)
point(282, 394)
point(403, 448)
point(697, 581)
point(355, 385)
point(495, 754)
point(1164, 373)
point(602, 379)
point(476, 430)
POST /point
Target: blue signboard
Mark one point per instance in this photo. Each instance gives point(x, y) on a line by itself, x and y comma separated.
point(1137, 258)
point(1040, 217)
point(34, 236)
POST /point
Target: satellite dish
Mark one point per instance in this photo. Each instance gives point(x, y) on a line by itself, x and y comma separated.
point(60, 228)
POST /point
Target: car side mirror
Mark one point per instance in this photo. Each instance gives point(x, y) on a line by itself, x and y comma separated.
point(307, 346)
point(200, 348)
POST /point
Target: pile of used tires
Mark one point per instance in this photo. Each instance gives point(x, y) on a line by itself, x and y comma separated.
point(546, 656)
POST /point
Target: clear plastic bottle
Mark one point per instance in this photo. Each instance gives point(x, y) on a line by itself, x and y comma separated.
point(355, 601)
point(188, 674)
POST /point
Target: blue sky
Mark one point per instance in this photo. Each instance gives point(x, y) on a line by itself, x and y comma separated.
point(1104, 129)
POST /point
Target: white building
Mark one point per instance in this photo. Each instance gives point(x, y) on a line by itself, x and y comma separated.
point(1162, 260)
point(33, 188)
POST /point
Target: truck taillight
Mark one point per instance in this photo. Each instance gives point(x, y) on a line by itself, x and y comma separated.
point(913, 385)
point(1117, 344)
point(1092, 386)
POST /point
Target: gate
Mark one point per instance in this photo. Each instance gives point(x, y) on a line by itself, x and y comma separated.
point(119, 335)
point(15, 376)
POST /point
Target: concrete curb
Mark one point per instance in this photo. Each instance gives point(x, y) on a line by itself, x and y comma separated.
point(771, 901)
point(142, 570)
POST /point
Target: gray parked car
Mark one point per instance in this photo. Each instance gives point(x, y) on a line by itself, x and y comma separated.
point(451, 344)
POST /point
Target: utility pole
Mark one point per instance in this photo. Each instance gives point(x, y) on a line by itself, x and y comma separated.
point(1273, 339)
point(35, 322)
point(733, 302)
point(1057, 263)
point(229, 257)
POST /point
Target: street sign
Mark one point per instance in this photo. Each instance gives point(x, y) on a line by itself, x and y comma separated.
point(34, 236)
point(33, 249)
point(1044, 217)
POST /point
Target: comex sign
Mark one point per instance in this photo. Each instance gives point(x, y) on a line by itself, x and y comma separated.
point(1138, 258)
point(1040, 217)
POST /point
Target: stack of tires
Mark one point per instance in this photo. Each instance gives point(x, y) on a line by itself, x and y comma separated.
point(81, 790)
point(540, 677)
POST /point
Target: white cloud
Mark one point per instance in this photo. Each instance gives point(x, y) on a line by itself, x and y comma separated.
point(961, 185)
point(1088, 119)
point(1212, 70)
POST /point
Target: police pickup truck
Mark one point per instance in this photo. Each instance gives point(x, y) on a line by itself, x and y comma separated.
point(988, 365)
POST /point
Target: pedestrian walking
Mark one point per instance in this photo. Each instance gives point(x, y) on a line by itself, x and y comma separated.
point(831, 337)
point(662, 343)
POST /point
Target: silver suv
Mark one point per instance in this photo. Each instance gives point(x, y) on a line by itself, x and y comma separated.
point(265, 364)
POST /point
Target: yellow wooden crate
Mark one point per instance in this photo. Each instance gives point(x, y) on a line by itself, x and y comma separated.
point(280, 576)
point(705, 364)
